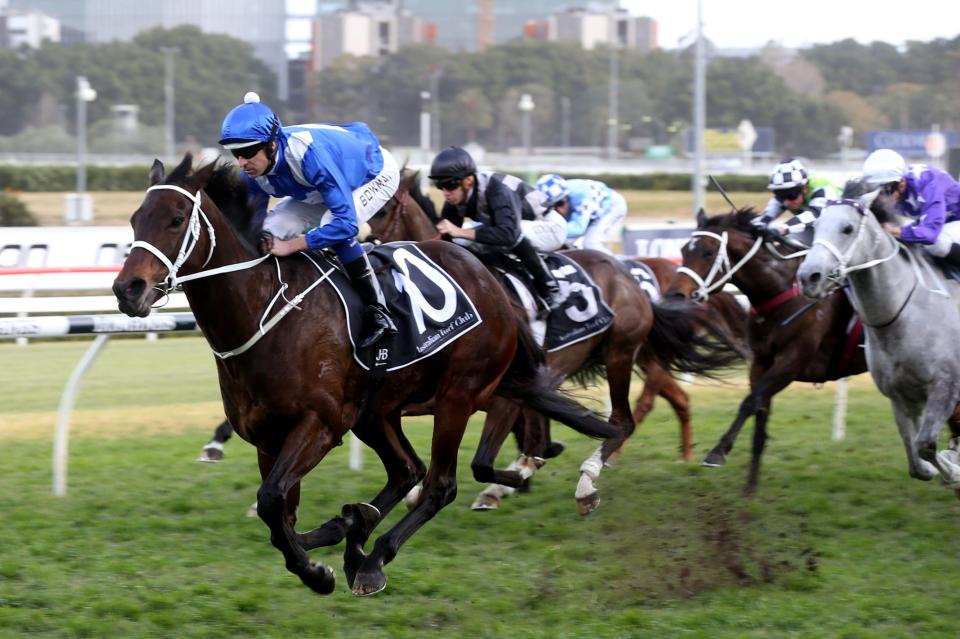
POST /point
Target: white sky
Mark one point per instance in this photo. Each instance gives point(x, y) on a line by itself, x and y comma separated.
point(797, 23)
point(792, 23)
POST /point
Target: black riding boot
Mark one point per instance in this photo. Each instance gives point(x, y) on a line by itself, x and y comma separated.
point(547, 287)
point(365, 283)
point(953, 257)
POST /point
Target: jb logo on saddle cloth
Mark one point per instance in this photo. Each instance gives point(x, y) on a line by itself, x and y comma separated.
point(429, 307)
point(582, 314)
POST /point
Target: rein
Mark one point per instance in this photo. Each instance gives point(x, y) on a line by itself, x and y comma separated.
point(721, 264)
point(190, 240)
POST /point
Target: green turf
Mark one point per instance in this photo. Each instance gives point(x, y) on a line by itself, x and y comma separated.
point(839, 542)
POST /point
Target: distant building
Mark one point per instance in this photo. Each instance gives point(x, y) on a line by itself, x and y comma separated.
point(27, 28)
point(262, 24)
point(367, 28)
point(596, 26)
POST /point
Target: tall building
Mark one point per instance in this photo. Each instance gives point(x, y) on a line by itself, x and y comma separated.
point(596, 27)
point(31, 28)
point(366, 28)
point(262, 24)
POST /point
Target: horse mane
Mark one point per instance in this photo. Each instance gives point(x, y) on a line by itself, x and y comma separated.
point(228, 190)
point(739, 220)
point(424, 201)
point(856, 188)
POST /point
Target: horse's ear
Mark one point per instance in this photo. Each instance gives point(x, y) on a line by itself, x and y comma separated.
point(156, 172)
point(701, 218)
point(201, 177)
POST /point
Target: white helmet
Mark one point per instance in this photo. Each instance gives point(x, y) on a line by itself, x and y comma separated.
point(882, 167)
point(787, 175)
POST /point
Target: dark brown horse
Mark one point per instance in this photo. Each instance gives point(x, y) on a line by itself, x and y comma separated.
point(791, 338)
point(668, 335)
point(298, 391)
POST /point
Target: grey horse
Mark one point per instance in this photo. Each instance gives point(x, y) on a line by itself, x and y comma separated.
point(911, 316)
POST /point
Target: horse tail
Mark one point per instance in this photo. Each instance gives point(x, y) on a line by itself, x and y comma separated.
point(685, 340)
point(531, 383)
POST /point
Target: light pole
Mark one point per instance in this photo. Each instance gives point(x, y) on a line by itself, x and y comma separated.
point(699, 113)
point(526, 107)
point(78, 206)
point(564, 122)
point(168, 100)
point(614, 100)
point(425, 121)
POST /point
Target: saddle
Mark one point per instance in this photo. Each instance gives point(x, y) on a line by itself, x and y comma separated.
point(583, 312)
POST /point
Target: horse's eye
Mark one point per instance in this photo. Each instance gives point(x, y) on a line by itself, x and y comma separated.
point(709, 254)
point(847, 230)
point(177, 220)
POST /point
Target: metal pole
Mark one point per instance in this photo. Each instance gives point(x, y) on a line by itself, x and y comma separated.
point(82, 89)
point(168, 96)
point(424, 120)
point(699, 113)
point(565, 122)
point(614, 99)
point(435, 107)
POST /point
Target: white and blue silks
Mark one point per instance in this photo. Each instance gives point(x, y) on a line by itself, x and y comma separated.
point(331, 179)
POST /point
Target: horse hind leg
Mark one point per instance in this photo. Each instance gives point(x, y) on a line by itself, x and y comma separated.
point(439, 489)
point(213, 450)
point(501, 419)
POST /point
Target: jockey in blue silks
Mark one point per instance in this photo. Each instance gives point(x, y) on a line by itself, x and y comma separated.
point(928, 194)
point(592, 208)
point(331, 179)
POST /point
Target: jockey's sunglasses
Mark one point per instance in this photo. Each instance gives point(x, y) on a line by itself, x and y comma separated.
point(788, 194)
point(448, 184)
point(247, 152)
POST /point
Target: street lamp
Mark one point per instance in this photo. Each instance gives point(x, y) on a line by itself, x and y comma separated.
point(78, 205)
point(168, 100)
point(526, 106)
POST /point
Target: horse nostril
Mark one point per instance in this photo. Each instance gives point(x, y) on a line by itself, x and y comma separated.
point(674, 295)
point(131, 290)
point(813, 278)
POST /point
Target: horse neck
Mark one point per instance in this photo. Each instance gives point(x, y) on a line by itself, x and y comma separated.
point(880, 292)
point(416, 225)
point(227, 306)
point(763, 276)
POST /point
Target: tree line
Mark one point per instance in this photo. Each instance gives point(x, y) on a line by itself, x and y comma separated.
point(805, 96)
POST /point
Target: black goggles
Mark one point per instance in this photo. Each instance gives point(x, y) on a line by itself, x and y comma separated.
point(788, 194)
point(247, 152)
point(448, 184)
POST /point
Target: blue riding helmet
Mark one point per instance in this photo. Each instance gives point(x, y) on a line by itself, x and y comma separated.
point(553, 187)
point(248, 124)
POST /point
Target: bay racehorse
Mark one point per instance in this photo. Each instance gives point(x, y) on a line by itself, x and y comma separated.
point(667, 337)
point(294, 393)
point(789, 339)
point(911, 315)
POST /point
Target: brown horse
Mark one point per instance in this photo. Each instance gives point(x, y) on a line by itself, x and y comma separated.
point(666, 337)
point(791, 338)
point(299, 390)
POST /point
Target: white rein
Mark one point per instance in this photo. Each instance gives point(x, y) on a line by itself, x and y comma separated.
point(721, 264)
point(190, 240)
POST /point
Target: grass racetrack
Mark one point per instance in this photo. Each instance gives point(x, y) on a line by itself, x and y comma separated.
point(839, 542)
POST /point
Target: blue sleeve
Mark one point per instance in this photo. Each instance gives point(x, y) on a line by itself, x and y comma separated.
point(578, 222)
point(322, 171)
point(933, 214)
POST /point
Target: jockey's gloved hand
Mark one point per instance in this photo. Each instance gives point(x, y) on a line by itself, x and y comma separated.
point(266, 242)
point(760, 223)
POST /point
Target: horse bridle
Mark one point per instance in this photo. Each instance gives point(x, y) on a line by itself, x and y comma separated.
point(190, 240)
point(721, 264)
point(395, 217)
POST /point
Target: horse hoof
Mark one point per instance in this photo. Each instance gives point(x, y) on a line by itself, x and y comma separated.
point(210, 455)
point(714, 460)
point(485, 502)
point(360, 517)
point(554, 449)
point(319, 578)
point(366, 584)
point(588, 503)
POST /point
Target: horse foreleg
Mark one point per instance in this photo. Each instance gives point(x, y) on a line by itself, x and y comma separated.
point(941, 404)
point(718, 455)
point(756, 452)
point(906, 419)
point(306, 444)
point(439, 489)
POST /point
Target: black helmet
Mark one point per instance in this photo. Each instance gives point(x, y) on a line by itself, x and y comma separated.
point(452, 162)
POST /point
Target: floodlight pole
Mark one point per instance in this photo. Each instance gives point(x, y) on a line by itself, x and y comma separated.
point(699, 113)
